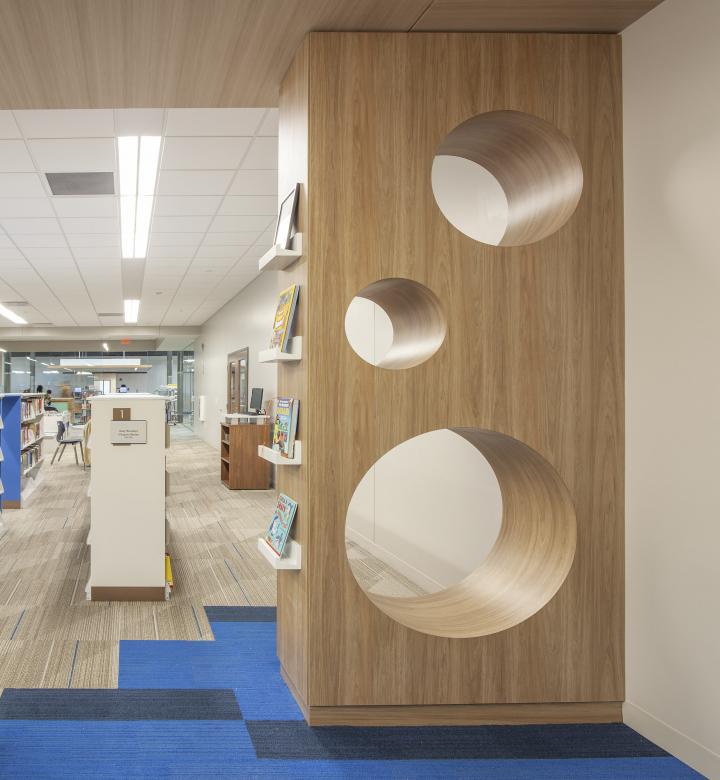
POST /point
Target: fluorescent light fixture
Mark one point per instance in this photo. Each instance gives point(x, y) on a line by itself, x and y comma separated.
point(52, 371)
point(105, 347)
point(10, 315)
point(44, 364)
point(138, 163)
point(15, 371)
point(2, 350)
point(132, 308)
point(127, 164)
point(33, 360)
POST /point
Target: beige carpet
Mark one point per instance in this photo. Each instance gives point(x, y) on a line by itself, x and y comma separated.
point(51, 636)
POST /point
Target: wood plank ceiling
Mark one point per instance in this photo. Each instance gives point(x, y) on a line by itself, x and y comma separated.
point(195, 53)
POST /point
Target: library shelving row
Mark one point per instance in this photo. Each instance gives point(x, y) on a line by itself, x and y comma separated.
point(21, 452)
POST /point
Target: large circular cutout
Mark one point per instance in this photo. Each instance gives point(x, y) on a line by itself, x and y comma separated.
point(395, 323)
point(507, 178)
point(461, 532)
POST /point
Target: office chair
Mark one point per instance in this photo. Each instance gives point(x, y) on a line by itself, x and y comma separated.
point(63, 442)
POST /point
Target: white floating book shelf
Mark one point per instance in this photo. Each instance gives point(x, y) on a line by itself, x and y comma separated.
point(278, 259)
point(291, 558)
point(276, 355)
point(267, 453)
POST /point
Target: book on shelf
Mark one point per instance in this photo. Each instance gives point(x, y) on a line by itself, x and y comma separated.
point(285, 415)
point(284, 315)
point(279, 528)
point(31, 408)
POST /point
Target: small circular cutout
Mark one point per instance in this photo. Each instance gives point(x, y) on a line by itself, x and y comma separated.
point(507, 178)
point(395, 323)
point(460, 532)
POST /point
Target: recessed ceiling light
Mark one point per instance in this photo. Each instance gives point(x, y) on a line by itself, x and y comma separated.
point(138, 163)
point(132, 308)
point(105, 347)
point(10, 315)
point(33, 360)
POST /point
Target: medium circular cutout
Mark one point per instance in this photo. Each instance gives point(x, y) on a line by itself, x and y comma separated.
point(507, 178)
point(395, 323)
point(461, 532)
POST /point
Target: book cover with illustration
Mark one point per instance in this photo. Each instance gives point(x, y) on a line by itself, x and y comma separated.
point(284, 315)
point(279, 528)
point(285, 425)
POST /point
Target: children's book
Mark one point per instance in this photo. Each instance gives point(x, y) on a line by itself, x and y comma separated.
point(284, 315)
point(285, 425)
point(279, 528)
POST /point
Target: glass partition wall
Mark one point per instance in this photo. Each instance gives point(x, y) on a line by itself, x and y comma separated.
point(160, 372)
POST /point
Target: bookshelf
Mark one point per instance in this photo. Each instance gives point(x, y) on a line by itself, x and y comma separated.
point(291, 559)
point(273, 456)
point(276, 355)
point(21, 453)
point(128, 487)
point(277, 259)
point(240, 466)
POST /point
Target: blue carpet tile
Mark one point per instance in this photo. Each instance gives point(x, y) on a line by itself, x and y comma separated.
point(197, 710)
point(142, 704)
point(296, 740)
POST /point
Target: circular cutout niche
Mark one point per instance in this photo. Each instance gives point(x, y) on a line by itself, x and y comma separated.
point(460, 532)
point(507, 178)
point(395, 323)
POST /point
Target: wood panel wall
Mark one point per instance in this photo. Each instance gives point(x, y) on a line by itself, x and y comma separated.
point(534, 349)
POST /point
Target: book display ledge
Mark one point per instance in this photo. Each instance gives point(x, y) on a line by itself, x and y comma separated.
point(278, 259)
point(267, 453)
point(290, 559)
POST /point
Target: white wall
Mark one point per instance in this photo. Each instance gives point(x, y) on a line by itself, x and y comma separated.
point(672, 210)
point(431, 507)
point(245, 321)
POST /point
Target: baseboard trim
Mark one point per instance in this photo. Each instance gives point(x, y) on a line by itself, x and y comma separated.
point(466, 714)
point(682, 746)
point(120, 593)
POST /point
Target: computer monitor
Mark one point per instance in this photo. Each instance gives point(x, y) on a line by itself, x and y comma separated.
point(256, 395)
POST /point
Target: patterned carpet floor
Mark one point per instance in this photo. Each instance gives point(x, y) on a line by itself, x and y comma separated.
point(219, 709)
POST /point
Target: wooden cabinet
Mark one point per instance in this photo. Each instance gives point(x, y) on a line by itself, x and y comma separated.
point(240, 466)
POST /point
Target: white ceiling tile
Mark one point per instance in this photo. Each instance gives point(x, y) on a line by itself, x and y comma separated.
point(171, 252)
point(187, 205)
point(42, 239)
point(94, 239)
point(71, 123)
point(203, 153)
point(21, 185)
point(139, 121)
point(96, 252)
point(244, 238)
point(269, 125)
point(89, 206)
point(175, 239)
point(220, 251)
point(25, 207)
point(194, 182)
point(232, 224)
point(27, 225)
point(249, 204)
point(39, 253)
point(14, 157)
point(90, 225)
point(72, 155)
point(8, 126)
point(213, 121)
point(180, 225)
point(255, 183)
point(262, 154)
point(10, 253)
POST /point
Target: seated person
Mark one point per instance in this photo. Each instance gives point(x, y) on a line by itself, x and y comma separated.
point(48, 402)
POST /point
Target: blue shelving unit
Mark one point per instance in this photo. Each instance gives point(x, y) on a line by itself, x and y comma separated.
point(10, 474)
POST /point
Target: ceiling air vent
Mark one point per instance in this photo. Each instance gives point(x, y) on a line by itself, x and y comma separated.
point(111, 314)
point(15, 303)
point(81, 183)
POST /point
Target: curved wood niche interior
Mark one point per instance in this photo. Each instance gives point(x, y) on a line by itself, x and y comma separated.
point(533, 170)
point(526, 566)
point(417, 319)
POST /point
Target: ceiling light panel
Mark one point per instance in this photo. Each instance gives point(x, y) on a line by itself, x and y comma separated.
point(132, 308)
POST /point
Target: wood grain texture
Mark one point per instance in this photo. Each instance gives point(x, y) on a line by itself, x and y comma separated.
point(418, 323)
point(238, 452)
point(292, 586)
point(467, 714)
point(598, 16)
point(533, 349)
point(525, 567)
point(536, 166)
point(162, 53)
